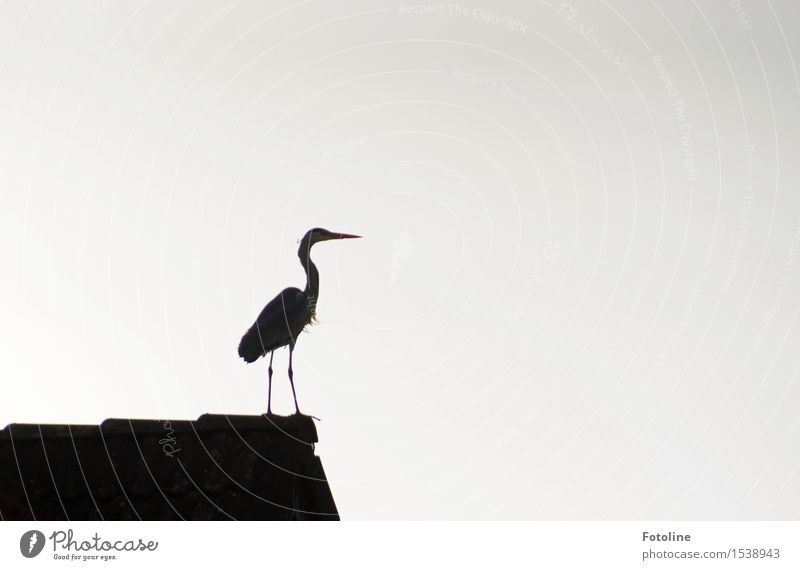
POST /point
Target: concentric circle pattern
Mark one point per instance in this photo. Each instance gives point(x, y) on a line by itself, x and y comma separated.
point(578, 290)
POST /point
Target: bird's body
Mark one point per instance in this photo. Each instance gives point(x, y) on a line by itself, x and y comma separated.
point(283, 319)
point(278, 325)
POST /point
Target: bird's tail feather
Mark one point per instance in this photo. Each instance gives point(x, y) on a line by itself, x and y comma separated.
point(251, 347)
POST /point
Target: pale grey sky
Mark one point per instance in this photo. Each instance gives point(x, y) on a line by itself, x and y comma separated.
point(577, 295)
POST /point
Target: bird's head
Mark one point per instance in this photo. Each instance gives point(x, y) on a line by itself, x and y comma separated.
point(315, 235)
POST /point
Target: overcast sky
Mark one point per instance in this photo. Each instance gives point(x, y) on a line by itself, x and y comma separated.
point(578, 288)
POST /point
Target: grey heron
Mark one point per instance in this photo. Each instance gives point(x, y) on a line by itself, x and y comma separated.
point(284, 318)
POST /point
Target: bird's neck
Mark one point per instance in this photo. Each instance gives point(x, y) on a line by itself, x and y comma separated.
point(312, 275)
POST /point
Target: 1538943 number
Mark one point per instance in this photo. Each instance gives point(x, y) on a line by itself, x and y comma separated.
point(758, 553)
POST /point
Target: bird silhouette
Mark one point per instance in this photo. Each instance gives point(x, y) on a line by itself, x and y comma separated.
point(283, 319)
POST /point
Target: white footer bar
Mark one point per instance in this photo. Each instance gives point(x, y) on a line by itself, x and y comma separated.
point(740, 545)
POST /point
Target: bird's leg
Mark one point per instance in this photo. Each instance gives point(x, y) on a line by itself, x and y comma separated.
point(291, 380)
point(269, 384)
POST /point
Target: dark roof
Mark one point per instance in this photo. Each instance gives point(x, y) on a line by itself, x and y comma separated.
point(217, 467)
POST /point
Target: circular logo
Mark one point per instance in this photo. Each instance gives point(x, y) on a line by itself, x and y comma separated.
point(31, 543)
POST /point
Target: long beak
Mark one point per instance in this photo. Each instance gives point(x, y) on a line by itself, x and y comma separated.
point(345, 236)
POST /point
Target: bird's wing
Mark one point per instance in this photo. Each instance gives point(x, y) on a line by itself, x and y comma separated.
point(277, 325)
